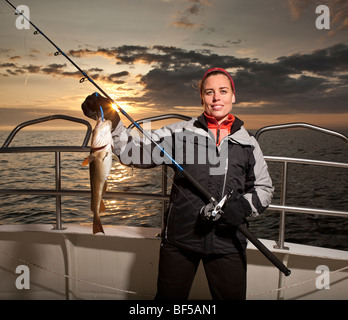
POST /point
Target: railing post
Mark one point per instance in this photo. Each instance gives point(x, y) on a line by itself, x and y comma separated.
point(164, 191)
point(58, 188)
point(281, 239)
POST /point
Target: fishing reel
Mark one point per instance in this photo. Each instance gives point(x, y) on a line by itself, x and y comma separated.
point(210, 212)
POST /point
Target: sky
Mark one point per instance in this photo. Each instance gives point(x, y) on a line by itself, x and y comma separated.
point(149, 55)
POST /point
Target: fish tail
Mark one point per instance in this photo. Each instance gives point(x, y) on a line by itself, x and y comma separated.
point(97, 226)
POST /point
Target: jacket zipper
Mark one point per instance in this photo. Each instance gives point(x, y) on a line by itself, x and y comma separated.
point(225, 179)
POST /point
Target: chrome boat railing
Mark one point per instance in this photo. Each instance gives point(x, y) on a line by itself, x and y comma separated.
point(58, 193)
point(283, 208)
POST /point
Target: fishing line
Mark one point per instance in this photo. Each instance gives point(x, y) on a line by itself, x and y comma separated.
point(28, 60)
point(268, 254)
point(70, 277)
point(26, 79)
point(87, 77)
point(297, 284)
point(267, 292)
point(5, 12)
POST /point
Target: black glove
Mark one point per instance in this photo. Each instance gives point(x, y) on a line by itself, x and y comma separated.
point(235, 212)
point(91, 109)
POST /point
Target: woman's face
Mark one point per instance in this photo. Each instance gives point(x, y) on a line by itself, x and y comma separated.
point(218, 96)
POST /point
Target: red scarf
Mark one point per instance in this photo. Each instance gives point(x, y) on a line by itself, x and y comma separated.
point(220, 131)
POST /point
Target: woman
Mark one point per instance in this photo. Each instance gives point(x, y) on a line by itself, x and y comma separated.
point(225, 159)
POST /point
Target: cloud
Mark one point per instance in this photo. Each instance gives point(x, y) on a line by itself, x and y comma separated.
point(185, 18)
point(55, 69)
point(338, 12)
point(114, 77)
point(315, 81)
point(323, 61)
point(7, 65)
point(15, 57)
point(297, 7)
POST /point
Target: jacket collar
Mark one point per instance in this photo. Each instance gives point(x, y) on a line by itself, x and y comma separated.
point(238, 133)
point(237, 124)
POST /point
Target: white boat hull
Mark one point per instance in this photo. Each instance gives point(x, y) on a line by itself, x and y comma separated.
point(75, 264)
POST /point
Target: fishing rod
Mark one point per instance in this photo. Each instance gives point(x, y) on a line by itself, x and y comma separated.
point(256, 242)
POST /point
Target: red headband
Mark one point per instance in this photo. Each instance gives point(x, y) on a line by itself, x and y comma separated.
point(221, 71)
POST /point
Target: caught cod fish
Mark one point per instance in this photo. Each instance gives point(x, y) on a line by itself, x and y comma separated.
point(100, 161)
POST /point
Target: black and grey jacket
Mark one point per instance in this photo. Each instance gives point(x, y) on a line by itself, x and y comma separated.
point(236, 164)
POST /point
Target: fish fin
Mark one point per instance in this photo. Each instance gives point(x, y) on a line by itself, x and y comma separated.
point(105, 186)
point(97, 226)
point(102, 206)
point(88, 160)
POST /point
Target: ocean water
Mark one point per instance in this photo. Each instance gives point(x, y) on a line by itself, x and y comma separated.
point(309, 186)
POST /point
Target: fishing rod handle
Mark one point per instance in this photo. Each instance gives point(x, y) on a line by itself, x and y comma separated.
point(268, 254)
point(256, 242)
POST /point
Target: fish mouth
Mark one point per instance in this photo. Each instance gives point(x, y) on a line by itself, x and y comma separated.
point(102, 122)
